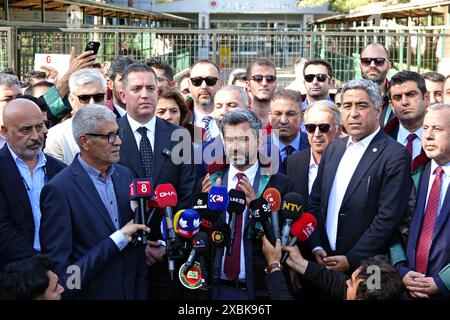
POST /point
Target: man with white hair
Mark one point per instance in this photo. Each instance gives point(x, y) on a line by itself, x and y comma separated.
point(86, 86)
point(9, 89)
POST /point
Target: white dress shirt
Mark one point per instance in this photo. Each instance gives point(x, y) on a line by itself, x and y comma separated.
point(119, 109)
point(232, 181)
point(60, 142)
point(402, 136)
point(444, 185)
point(150, 130)
point(198, 115)
point(312, 175)
point(344, 173)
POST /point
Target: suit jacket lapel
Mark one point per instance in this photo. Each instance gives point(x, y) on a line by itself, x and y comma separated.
point(129, 149)
point(372, 152)
point(304, 167)
point(14, 178)
point(443, 215)
point(121, 198)
point(162, 140)
point(87, 187)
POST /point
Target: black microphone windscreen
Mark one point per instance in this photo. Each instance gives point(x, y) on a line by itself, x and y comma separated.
point(201, 242)
point(292, 206)
point(260, 208)
point(236, 202)
point(219, 234)
point(200, 201)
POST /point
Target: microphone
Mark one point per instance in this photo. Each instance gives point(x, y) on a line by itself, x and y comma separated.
point(218, 198)
point(166, 153)
point(200, 245)
point(188, 223)
point(176, 217)
point(273, 197)
point(166, 198)
point(260, 211)
point(236, 207)
point(291, 209)
point(139, 191)
point(301, 231)
point(207, 218)
point(219, 236)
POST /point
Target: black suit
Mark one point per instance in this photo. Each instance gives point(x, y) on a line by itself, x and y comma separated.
point(374, 203)
point(297, 168)
point(181, 176)
point(16, 217)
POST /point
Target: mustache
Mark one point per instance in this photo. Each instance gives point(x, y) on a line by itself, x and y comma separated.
point(33, 143)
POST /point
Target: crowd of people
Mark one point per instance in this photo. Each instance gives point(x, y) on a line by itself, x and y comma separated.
point(371, 163)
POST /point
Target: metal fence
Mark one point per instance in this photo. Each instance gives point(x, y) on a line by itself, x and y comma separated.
point(5, 49)
point(419, 51)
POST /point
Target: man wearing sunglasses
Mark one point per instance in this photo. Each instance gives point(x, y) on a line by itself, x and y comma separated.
point(363, 185)
point(375, 66)
point(87, 86)
point(203, 83)
point(317, 74)
point(261, 84)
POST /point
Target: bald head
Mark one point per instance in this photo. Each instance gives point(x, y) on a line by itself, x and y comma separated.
point(24, 128)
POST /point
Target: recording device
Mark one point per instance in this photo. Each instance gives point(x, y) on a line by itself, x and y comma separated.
point(140, 190)
point(273, 197)
point(207, 217)
point(236, 207)
point(218, 198)
point(291, 209)
point(92, 46)
point(188, 223)
point(301, 230)
point(260, 210)
point(219, 236)
point(200, 245)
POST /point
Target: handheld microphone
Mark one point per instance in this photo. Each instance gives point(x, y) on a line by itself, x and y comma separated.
point(166, 153)
point(219, 236)
point(188, 223)
point(200, 245)
point(139, 191)
point(207, 218)
point(236, 207)
point(291, 209)
point(301, 231)
point(273, 197)
point(218, 198)
point(260, 211)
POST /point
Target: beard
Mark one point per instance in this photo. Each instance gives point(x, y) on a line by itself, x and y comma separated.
point(378, 78)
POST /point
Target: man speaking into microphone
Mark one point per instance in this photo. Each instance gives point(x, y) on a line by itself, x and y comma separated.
point(86, 224)
point(242, 276)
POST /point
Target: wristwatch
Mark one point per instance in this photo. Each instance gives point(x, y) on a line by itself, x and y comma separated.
point(276, 266)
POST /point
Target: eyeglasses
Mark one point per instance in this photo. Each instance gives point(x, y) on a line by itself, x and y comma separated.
point(86, 98)
point(161, 79)
point(379, 62)
point(210, 81)
point(259, 78)
point(111, 137)
point(323, 127)
point(321, 77)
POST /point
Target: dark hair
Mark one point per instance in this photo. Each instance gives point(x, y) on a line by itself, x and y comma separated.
point(8, 71)
point(118, 66)
point(433, 76)
point(403, 76)
point(135, 67)
point(260, 62)
point(167, 92)
point(161, 65)
point(322, 62)
point(288, 94)
point(41, 103)
point(34, 74)
point(25, 279)
point(31, 89)
point(205, 61)
point(390, 286)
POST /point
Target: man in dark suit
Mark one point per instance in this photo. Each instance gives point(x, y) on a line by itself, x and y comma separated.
point(147, 151)
point(426, 272)
point(285, 118)
point(24, 169)
point(323, 125)
point(362, 188)
point(242, 276)
point(86, 224)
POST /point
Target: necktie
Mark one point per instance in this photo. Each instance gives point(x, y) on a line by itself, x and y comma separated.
point(145, 149)
point(429, 221)
point(289, 150)
point(409, 145)
point(232, 265)
point(206, 120)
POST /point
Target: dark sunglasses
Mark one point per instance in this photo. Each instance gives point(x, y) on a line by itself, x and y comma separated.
point(210, 81)
point(379, 62)
point(86, 98)
point(259, 78)
point(321, 77)
point(323, 127)
point(111, 137)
